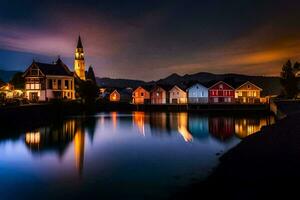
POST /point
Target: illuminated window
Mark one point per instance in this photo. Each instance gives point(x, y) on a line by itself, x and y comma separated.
point(66, 84)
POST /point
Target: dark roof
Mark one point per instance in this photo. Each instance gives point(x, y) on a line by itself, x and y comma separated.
point(58, 68)
point(167, 88)
point(79, 43)
point(181, 86)
point(146, 87)
point(230, 83)
point(124, 93)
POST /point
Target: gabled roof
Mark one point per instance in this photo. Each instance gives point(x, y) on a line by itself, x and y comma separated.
point(148, 88)
point(124, 93)
point(182, 88)
point(164, 87)
point(221, 82)
point(197, 83)
point(58, 68)
point(248, 82)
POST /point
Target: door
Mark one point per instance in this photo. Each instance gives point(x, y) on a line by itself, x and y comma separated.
point(33, 96)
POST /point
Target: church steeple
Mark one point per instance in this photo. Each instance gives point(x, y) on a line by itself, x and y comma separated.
point(79, 64)
point(79, 43)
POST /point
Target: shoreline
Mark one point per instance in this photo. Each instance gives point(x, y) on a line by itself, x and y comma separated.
point(265, 164)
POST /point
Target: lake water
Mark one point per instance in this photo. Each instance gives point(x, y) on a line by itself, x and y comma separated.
point(118, 156)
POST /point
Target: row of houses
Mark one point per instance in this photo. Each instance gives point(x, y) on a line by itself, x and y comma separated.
point(220, 92)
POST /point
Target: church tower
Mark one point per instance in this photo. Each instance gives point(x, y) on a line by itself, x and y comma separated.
point(79, 65)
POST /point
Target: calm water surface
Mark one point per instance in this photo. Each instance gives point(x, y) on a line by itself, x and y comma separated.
point(118, 156)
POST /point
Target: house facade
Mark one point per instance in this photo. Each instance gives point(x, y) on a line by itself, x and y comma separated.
point(178, 95)
point(197, 93)
point(159, 95)
point(248, 93)
point(121, 95)
point(221, 92)
point(44, 82)
point(114, 96)
point(140, 95)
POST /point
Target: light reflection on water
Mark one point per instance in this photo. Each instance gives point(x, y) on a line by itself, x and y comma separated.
point(113, 155)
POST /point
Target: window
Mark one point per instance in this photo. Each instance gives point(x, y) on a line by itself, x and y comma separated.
point(202, 94)
point(248, 86)
point(142, 94)
point(71, 84)
point(59, 84)
point(221, 86)
point(50, 84)
point(67, 84)
point(37, 86)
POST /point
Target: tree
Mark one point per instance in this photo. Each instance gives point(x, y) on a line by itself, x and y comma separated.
point(88, 91)
point(91, 75)
point(18, 81)
point(288, 79)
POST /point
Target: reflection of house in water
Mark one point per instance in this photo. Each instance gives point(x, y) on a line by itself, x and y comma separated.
point(221, 127)
point(159, 123)
point(114, 117)
point(139, 120)
point(198, 126)
point(57, 138)
point(245, 127)
point(179, 121)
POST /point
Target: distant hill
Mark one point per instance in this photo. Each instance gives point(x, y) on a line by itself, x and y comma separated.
point(120, 83)
point(6, 76)
point(270, 85)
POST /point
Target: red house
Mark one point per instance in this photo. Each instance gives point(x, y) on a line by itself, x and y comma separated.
point(221, 92)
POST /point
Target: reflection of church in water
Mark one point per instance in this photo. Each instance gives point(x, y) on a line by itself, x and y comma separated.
point(59, 136)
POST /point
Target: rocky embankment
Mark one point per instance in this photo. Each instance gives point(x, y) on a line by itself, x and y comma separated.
point(264, 165)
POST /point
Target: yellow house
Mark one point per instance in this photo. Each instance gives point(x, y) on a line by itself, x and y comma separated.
point(141, 95)
point(248, 93)
point(178, 95)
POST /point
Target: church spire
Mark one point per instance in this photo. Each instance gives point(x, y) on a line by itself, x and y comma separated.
point(79, 43)
point(79, 64)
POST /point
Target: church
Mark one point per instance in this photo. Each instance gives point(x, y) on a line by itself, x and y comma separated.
point(44, 81)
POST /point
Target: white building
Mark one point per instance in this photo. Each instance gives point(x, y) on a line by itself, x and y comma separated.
point(197, 93)
point(49, 81)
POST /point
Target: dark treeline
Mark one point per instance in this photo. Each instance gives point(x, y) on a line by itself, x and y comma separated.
point(289, 79)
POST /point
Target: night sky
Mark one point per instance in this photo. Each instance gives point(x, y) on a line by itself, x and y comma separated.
point(152, 39)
